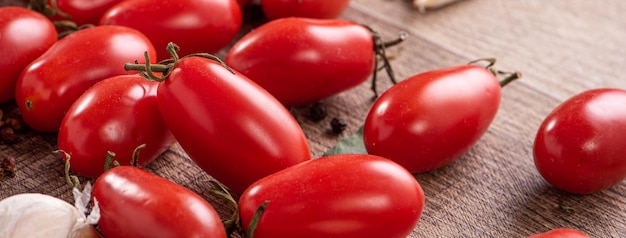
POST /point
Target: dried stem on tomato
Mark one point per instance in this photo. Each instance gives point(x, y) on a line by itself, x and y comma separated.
point(380, 54)
point(510, 76)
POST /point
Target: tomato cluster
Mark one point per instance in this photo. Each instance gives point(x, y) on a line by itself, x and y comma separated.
point(143, 77)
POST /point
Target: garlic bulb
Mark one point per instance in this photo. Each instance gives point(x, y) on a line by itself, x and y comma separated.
point(39, 215)
point(422, 5)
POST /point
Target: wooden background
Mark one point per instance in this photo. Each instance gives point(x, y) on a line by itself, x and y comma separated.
point(561, 47)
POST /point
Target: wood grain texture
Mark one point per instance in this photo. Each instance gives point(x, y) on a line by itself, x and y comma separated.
point(561, 47)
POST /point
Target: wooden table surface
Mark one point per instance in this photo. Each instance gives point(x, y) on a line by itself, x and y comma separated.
point(561, 47)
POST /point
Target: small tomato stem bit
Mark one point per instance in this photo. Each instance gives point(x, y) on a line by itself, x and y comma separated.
point(233, 222)
point(109, 162)
point(135, 161)
point(71, 180)
point(380, 53)
point(490, 66)
point(512, 76)
point(255, 219)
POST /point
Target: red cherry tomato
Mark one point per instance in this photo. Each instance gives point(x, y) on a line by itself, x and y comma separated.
point(321, 9)
point(51, 83)
point(196, 26)
point(24, 36)
point(135, 203)
point(297, 62)
point(117, 114)
point(336, 196)
point(561, 233)
point(579, 146)
point(432, 118)
point(233, 129)
point(83, 11)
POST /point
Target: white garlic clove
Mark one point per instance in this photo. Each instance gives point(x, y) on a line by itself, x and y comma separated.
point(39, 215)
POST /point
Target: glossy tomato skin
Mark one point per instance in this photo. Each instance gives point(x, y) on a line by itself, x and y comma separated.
point(561, 233)
point(24, 36)
point(579, 147)
point(84, 11)
point(336, 196)
point(197, 26)
point(430, 119)
point(319, 9)
point(51, 83)
point(233, 129)
point(136, 203)
point(117, 114)
point(297, 62)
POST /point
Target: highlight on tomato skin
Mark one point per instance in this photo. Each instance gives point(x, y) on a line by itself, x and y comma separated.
point(579, 146)
point(51, 83)
point(136, 203)
point(317, 9)
point(24, 36)
point(196, 26)
point(234, 130)
point(117, 114)
point(431, 119)
point(295, 61)
point(561, 233)
point(348, 195)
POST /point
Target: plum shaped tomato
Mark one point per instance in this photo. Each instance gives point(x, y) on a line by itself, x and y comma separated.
point(24, 36)
point(136, 203)
point(430, 119)
point(321, 9)
point(197, 26)
point(232, 128)
point(580, 146)
point(51, 83)
point(561, 233)
point(78, 12)
point(118, 114)
point(348, 195)
point(301, 61)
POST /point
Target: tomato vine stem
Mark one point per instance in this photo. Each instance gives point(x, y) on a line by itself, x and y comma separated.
point(71, 180)
point(255, 219)
point(135, 161)
point(165, 67)
point(109, 162)
point(233, 223)
point(380, 53)
point(511, 76)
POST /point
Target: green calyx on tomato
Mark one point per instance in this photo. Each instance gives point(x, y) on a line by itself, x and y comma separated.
point(147, 70)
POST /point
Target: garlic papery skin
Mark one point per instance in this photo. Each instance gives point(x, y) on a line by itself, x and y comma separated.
point(38, 215)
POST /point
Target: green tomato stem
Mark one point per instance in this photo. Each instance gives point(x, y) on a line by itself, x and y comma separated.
point(255, 219)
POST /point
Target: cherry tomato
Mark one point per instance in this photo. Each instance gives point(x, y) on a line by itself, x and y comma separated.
point(430, 119)
point(579, 147)
point(83, 11)
point(196, 26)
point(117, 114)
point(297, 62)
point(51, 83)
point(321, 9)
point(349, 195)
point(136, 203)
point(233, 129)
point(24, 36)
point(561, 233)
